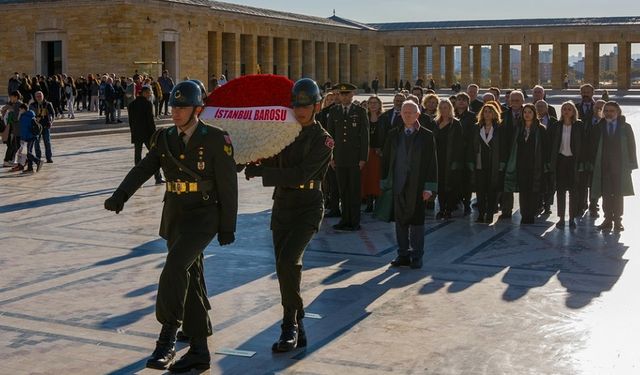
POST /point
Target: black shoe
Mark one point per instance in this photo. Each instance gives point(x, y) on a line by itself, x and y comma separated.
point(39, 165)
point(439, 215)
point(401, 261)
point(49, 161)
point(446, 215)
point(340, 227)
point(333, 213)
point(353, 228)
point(165, 352)
point(288, 340)
point(302, 335)
point(618, 227)
point(547, 211)
point(369, 208)
point(416, 263)
point(560, 224)
point(606, 225)
point(572, 223)
point(192, 360)
point(467, 211)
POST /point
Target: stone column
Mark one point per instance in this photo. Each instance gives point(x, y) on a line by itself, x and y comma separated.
point(266, 48)
point(295, 58)
point(477, 64)
point(281, 48)
point(535, 65)
point(321, 62)
point(506, 66)
point(408, 64)
point(334, 62)
point(558, 69)
point(592, 63)
point(495, 66)
point(449, 75)
point(465, 74)
point(344, 56)
point(309, 59)
point(215, 54)
point(435, 64)
point(354, 65)
point(250, 53)
point(525, 65)
point(422, 52)
point(231, 55)
point(624, 65)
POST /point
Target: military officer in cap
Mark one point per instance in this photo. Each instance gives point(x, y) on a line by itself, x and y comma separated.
point(348, 124)
point(298, 206)
point(201, 200)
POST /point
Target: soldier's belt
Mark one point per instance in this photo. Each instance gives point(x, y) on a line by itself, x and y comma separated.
point(309, 185)
point(180, 187)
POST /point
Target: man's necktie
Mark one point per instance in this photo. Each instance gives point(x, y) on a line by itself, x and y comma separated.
point(345, 112)
point(182, 144)
point(407, 132)
point(611, 128)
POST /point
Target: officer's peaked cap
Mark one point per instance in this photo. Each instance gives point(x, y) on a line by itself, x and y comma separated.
point(345, 87)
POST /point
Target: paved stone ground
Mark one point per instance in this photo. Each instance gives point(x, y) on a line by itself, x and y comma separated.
point(78, 285)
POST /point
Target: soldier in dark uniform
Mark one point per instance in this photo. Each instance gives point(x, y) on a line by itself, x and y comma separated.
point(348, 124)
point(201, 201)
point(297, 174)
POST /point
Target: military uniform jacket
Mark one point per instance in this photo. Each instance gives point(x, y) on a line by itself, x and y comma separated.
point(209, 153)
point(305, 160)
point(351, 135)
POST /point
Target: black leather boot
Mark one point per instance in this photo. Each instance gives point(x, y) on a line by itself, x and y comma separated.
point(196, 358)
point(181, 337)
point(289, 336)
point(302, 334)
point(165, 351)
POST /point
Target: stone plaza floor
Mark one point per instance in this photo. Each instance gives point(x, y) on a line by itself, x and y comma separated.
point(78, 285)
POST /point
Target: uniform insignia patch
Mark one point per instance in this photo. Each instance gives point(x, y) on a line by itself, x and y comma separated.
point(228, 149)
point(227, 139)
point(201, 166)
point(329, 142)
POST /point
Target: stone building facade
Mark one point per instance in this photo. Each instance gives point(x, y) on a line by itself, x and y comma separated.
point(201, 38)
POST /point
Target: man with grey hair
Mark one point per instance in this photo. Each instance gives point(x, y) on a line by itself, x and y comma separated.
point(410, 172)
point(488, 97)
point(475, 104)
point(539, 94)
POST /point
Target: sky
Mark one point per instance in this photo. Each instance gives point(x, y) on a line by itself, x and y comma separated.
point(375, 11)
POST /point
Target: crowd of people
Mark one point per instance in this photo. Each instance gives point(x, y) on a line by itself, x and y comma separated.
point(58, 96)
point(496, 145)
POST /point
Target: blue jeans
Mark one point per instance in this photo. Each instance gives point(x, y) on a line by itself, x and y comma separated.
point(46, 136)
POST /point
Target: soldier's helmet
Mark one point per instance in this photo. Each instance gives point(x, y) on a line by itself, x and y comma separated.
point(201, 85)
point(186, 94)
point(305, 92)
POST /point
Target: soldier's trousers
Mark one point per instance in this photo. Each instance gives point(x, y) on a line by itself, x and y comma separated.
point(349, 186)
point(182, 296)
point(289, 245)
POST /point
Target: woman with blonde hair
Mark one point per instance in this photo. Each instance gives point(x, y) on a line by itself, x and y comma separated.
point(485, 161)
point(450, 156)
point(567, 144)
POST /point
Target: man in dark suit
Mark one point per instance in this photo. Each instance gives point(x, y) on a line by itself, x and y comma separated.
point(468, 122)
point(410, 164)
point(142, 126)
point(585, 107)
point(201, 201)
point(589, 151)
point(511, 121)
point(549, 122)
point(391, 119)
point(615, 159)
point(475, 103)
point(348, 125)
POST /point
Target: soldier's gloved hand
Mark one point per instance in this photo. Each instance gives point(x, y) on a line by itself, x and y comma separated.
point(253, 170)
point(116, 201)
point(226, 238)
